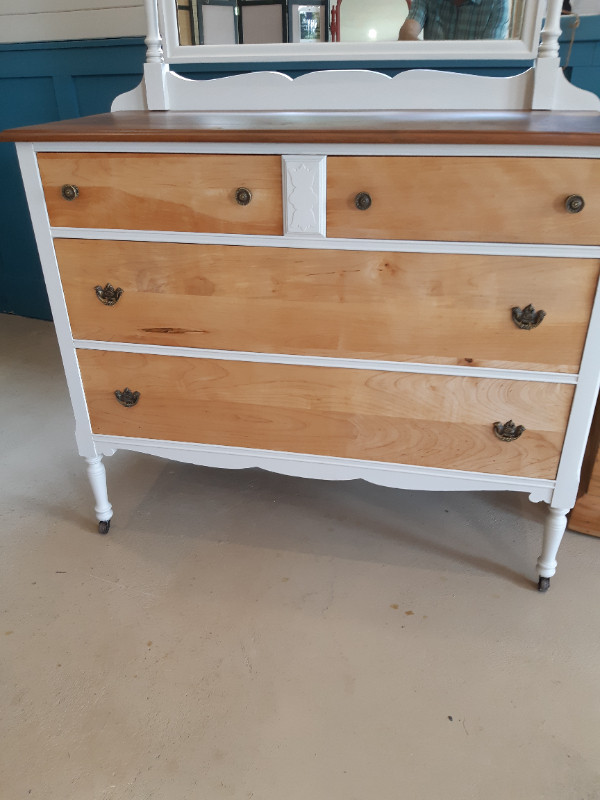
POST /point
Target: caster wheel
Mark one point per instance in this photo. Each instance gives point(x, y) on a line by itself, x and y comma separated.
point(543, 584)
point(104, 527)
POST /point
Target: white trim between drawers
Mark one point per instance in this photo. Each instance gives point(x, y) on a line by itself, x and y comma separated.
point(320, 243)
point(325, 361)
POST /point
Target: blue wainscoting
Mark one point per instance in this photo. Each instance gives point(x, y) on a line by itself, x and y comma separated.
point(580, 51)
point(44, 82)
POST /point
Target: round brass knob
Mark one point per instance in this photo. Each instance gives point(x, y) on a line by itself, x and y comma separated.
point(574, 203)
point(363, 201)
point(243, 196)
point(69, 191)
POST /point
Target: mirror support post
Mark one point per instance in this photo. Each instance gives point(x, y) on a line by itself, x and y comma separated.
point(547, 73)
point(155, 69)
point(549, 38)
point(153, 41)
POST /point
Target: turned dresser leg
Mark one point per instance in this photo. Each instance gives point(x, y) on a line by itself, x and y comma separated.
point(97, 475)
point(556, 523)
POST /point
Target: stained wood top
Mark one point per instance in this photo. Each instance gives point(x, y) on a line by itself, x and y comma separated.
point(380, 127)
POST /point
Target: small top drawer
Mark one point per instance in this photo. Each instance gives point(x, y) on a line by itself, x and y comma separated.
point(165, 192)
point(478, 199)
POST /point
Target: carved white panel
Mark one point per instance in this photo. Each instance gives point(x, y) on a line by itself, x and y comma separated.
point(329, 468)
point(304, 195)
point(348, 90)
point(353, 90)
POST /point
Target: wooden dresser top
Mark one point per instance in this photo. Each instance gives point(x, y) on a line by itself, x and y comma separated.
point(380, 127)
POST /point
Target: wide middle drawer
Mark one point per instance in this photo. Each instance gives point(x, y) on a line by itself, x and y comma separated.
point(425, 420)
point(440, 308)
point(166, 192)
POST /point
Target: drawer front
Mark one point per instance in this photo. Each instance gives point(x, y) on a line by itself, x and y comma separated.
point(446, 309)
point(476, 199)
point(425, 420)
point(152, 191)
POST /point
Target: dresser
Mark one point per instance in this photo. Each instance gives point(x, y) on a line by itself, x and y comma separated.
point(404, 298)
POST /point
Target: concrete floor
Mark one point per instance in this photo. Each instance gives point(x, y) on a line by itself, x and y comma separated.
point(251, 636)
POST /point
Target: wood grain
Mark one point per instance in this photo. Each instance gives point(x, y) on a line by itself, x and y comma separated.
point(425, 420)
point(464, 199)
point(444, 309)
point(585, 516)
point(385, 127)
point(152, 191)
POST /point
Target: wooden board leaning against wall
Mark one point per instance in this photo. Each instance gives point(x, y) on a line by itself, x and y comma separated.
point(585, 517)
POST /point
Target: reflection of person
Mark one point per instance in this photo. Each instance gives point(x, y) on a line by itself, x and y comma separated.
point(456, 19)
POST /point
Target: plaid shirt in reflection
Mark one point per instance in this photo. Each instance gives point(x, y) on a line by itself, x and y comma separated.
point(474, 19)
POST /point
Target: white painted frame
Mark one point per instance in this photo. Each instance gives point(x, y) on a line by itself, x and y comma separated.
point(560, 493)
point(543, 87)
point(522, 49)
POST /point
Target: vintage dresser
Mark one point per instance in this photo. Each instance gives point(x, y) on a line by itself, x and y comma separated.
point(406, 297)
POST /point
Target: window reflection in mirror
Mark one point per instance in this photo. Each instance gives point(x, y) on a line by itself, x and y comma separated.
point(220, 22)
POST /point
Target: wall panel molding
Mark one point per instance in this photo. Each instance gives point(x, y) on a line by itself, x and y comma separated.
point(114, 20)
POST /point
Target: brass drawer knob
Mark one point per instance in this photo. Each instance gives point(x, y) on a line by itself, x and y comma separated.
point(527, 318)
point(69, 191)
point(109, 295)
point(574, 203)
point(363, 201)
point(243, 196)
point(509, 431)
point(127, 398)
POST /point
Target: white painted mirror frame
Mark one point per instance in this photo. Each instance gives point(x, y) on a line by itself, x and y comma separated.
point(523, 49)
point(543, 87)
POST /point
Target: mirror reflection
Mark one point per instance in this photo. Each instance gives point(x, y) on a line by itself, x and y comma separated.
point(275, 21)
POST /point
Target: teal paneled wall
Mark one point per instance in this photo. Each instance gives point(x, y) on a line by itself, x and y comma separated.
point(582, 57)
point(43, 82)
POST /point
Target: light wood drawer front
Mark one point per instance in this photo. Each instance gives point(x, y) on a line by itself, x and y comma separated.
point(446, 309)
point(464, 199)
point(426, 420)
point(152, 191)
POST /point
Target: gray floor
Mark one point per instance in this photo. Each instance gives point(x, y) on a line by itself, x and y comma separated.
point(251, 636)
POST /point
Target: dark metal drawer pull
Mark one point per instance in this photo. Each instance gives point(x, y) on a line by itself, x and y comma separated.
point(574, 203)
point(243, 196)
point(127, 398)
point(527, 318)
point(509, 431)
point(69, 191)
point(363, 201)
point(109, 295)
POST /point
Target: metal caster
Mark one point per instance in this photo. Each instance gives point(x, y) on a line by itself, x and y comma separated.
point(543, 584)
point(104, 527)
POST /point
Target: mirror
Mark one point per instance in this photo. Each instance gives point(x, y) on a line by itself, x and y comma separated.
point(348, 30)
point(217, 22)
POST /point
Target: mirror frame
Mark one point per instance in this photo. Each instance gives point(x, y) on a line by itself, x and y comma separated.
point(523, 49)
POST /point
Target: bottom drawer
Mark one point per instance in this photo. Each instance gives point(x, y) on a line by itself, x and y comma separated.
point(425, 420)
